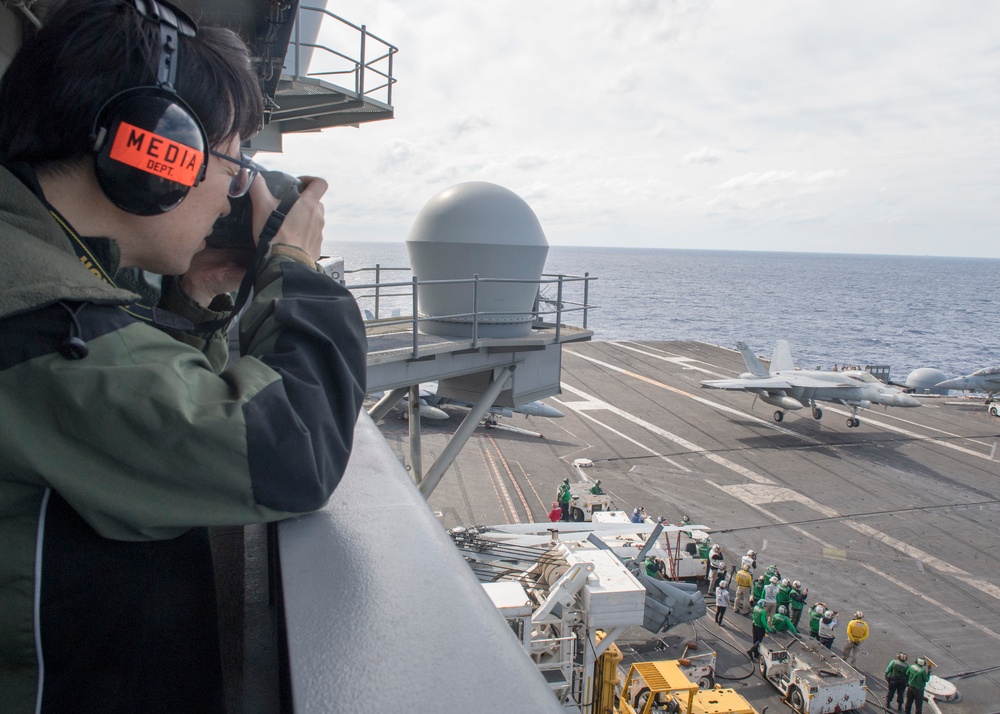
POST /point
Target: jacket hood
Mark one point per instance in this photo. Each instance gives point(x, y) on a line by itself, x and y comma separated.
point(39, 266)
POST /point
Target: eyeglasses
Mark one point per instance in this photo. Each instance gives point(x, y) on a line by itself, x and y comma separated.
point(243, 180)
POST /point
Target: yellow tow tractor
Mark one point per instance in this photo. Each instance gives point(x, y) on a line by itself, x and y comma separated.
point(663, 688)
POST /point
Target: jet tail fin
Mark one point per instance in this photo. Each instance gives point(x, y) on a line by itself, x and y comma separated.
point(753, 364)
point(781, 358)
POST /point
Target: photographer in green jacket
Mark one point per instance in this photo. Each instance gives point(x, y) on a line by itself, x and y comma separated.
point(125, 433)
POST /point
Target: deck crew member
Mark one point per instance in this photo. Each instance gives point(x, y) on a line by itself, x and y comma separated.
point(760, 628)
point(769, 599)
point(857, 632)
point(895, 679)
point(827, 626)
point(797, 598)
point(126, 434)
point(744, 581)
point(596, 488)
point(716, 561)
point(721, 603)
point(917, 676)
point(784, 589)
point(758, 590)
point(815, 615)
point(564, 498)
point(781, 622)
point(750, 560)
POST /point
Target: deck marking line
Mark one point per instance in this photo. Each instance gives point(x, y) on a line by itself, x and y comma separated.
point(888, 427)
point(915, 436)
point(510, 474)
point(913, 591)
point(707, 402)
point(937, 563)
point(755, 494)
point(498, 485)
point(680, 441)
point(681, 361)
point(614, 431)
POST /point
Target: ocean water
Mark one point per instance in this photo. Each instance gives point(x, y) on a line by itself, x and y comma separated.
point(904, 311)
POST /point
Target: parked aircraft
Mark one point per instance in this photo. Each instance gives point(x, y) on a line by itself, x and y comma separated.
point(431, 403)
point(788, 388)
point(986, 380)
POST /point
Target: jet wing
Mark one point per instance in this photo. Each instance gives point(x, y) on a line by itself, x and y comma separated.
point(749, 384)
point(784, 381)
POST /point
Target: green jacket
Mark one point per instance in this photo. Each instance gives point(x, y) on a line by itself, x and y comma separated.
point(781, 623)
point(896, 670)
point(797, 598)
point(917, 676)
point(564, 494)
point(758, 589)
point(783, 595)
point(114, 464)
point(814, 618)
point(760, 618)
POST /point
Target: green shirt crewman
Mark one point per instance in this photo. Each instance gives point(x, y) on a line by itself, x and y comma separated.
point(781, 623)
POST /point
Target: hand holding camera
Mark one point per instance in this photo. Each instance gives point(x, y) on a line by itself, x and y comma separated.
point(241, 229)
point(289, 208)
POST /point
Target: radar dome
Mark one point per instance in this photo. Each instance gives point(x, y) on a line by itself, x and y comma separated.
point(925, 378)
point(470, 229)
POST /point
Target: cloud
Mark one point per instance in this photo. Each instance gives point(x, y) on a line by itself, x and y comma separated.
point(603, 116)
point(467, 124)
point(704, 155)
point(790, 178)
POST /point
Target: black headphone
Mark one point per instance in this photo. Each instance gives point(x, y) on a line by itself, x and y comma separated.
point(150, 147)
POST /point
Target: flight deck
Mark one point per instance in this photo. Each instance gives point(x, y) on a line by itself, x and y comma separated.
point(896, 518)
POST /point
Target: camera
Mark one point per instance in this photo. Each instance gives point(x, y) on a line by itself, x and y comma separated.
point(235, 231)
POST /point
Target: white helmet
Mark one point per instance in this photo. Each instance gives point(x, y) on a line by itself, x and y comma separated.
point(716, 548)
point(751, 553)
point(796, 585)
point(921, 661)
point(784, 581)
point(783, 610)
point(859, 615)
point(828, 614)
point(774, 580)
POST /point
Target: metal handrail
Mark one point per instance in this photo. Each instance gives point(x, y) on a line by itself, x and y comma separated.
point(360, 66)
point(562, 308)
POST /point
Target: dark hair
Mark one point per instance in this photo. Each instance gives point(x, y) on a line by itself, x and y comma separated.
point(89, 51)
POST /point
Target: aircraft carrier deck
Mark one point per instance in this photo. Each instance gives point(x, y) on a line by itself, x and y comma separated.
point(897, 518)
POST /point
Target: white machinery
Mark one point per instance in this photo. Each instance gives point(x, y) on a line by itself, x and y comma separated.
point(811, 678)
point(585, 504)
point(558, 594)
point(684, 549)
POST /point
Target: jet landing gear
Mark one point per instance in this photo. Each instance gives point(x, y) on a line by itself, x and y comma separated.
point(853, 421)
point(779, 415)
point(817, 413)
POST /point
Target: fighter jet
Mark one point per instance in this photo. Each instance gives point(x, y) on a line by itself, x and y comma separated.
point(788, 388)
point(431, 403)
point(986, 380)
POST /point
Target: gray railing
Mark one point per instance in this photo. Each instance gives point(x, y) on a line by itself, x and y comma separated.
point(562, 304)
point(371, 69)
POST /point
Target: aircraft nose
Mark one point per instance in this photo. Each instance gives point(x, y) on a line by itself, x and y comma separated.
point(906, 400)
point(950, 384)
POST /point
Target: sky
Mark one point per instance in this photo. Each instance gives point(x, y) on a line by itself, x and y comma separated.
point(784, 125)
